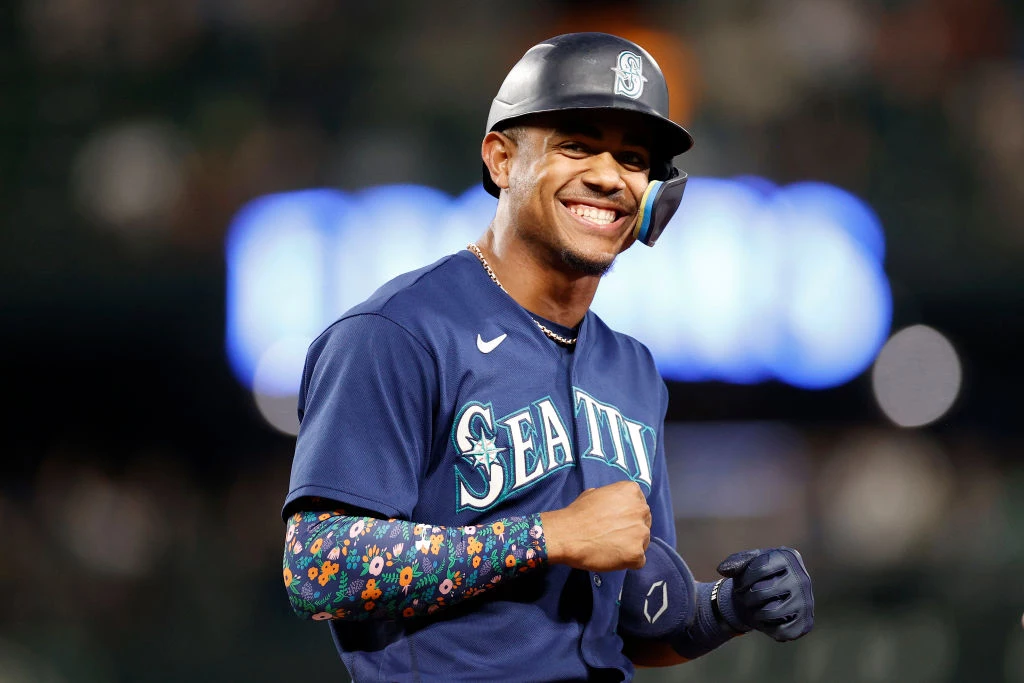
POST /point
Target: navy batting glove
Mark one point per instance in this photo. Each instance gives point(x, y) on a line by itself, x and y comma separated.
point(770, 591)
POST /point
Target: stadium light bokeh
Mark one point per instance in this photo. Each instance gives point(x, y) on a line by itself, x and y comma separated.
point(751, 282)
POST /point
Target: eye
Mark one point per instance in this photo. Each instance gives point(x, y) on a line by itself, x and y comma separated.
point(574, 149)
point(634, 161)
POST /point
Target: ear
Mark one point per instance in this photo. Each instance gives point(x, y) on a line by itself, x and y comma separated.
point(497, 151)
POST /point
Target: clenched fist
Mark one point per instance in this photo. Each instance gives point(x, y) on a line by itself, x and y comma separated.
point(771, 592)
point(604, 529)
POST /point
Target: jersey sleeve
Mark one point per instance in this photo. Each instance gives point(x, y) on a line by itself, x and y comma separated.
point(663, 521)
point(365, 417)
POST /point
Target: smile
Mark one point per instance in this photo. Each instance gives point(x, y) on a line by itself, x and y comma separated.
point(594, 215)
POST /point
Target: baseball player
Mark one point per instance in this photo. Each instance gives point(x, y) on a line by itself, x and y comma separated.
point(478, 490)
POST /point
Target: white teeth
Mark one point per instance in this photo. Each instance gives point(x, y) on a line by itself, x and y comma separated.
point(592, 213)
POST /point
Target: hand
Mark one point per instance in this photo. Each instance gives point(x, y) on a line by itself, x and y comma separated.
point(604, 529)
point(771, 591)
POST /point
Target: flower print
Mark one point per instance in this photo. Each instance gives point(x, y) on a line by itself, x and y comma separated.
point(352, 561)
point(376, 566)
point(510, 561)
point(417, 530)
point(288, 577)
point(457, 578)
point(312, 573)
point(371, 592)
point(335, 552)
point(397, 550)
point(476, 561)
point(315, 548)
point(344, 549)
point(297, 516)
point(404, 578)
point(369, 605)
point(530, 554)
point(357, 528)
point(320, 616)
point(340, 613)
point(297, 548)
point(323, 516)
point(536, 531)
point(496, 578)
point(446, 587)
point(432, 609)
point(474, 546)
point(408, 612)
point(470, 530)
point(498, 528)
point(290, 535)
point(327, 572)
point(435, 543)
point(423, 545)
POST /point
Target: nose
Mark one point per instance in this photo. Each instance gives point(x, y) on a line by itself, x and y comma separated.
point(603, 174)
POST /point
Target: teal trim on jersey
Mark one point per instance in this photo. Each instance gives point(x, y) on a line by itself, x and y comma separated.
point(531, 456)
point(624, 437)
point(458, 419)
point(561, 461)
point(527, 429)
point(461, 478)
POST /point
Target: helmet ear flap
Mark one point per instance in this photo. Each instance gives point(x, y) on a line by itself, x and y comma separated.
point(657, 206)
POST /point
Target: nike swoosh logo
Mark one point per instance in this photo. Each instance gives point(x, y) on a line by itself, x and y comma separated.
point(488, 346)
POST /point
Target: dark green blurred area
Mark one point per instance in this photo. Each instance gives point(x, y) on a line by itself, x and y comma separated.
point(140, 488)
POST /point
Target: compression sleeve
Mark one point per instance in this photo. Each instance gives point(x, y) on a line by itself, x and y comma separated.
point(338, 566)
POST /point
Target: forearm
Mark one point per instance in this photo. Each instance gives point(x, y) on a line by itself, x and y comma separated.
point(338, 566)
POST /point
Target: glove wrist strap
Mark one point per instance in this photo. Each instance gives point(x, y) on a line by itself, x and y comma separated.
point(723, 609)
point(709, 630)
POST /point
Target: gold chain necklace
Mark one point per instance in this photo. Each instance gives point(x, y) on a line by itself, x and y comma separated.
point(487, 267)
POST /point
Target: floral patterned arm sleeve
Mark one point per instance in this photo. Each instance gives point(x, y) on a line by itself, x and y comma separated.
point(338, 566)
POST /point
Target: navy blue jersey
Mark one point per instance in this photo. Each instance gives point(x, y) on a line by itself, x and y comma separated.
point(439, 400)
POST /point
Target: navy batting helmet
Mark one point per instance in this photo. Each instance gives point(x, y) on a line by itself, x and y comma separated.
point(598, 71)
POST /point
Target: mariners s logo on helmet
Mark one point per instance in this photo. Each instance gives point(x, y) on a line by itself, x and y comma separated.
point(629, 77)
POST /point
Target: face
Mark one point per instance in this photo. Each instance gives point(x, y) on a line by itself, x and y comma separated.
point(574, 183)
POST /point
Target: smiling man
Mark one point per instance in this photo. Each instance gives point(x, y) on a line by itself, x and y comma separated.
point(479, 488)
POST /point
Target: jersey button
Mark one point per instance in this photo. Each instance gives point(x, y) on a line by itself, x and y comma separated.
point(597, 580)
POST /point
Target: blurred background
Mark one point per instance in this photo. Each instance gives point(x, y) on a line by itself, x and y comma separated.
point(865, 410)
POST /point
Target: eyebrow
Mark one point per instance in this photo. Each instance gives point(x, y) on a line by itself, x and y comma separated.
point(591, 131)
